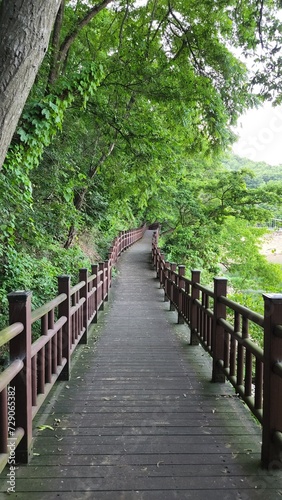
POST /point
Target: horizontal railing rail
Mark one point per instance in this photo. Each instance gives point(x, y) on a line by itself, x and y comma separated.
point(35, 366)
point(222, 327)
point(10, 332)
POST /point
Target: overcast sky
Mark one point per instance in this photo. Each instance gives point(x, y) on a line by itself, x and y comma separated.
point(260, 133)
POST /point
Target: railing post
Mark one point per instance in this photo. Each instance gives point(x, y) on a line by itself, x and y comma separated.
point(83, 276)
point(94, 270)
point(181, 271)
point(219, 311)
point(171, 272)
point(195, 278)
point(106, 278)
point(110, 263)
point(156, 263)
point(64, 310)
point(121, 241)
point(53, 345)
point(166, 264)
point(110, 267)
point(153, 253)
point(154, 250)
point(102, 268)
point(114, 254)
point(161, 271)
point(156, 237)
point(157, 266)
point(272, 383)
point(20, 348)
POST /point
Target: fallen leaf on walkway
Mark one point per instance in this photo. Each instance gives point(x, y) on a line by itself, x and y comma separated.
point(159, 463)
point(44, 427)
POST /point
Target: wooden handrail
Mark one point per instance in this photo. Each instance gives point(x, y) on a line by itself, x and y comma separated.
point(255, 373)
point(10, 373)
point(255, 317)
point(35, 366)
point(46, 308)
point(10, 332)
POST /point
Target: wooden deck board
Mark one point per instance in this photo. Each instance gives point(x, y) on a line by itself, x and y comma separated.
point(139, 418)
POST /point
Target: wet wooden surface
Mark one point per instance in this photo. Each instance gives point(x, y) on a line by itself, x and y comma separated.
point(139, 418)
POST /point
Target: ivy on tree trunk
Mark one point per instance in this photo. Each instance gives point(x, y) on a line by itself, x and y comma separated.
point(25, 28)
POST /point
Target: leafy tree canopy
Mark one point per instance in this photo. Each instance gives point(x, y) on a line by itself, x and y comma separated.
point(131, 109)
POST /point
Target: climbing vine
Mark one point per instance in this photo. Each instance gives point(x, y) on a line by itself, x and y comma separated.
point(40, 122)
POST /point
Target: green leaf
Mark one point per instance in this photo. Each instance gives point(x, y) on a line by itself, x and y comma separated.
point(44, 427)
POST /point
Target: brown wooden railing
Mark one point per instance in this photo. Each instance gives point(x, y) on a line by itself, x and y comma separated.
point(222, 327)
point(35, 366)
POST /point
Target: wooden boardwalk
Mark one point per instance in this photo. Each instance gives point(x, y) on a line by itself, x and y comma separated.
point(139, 418)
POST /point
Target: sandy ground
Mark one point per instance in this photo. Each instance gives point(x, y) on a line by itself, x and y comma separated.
point(272, 247)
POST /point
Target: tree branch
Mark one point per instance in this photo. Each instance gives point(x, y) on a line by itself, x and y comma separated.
point(68, 41)
point(55, 45)
point(122, 25)
point(261, 5)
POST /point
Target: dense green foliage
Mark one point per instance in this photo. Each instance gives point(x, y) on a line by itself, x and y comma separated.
point(219, 228)
point(131, 111)
point(214, 227)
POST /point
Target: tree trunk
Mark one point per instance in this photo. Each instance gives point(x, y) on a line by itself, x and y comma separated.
point(70, 238)
point(25, 29)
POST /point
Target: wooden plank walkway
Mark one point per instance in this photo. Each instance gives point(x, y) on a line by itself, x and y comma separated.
point(139, 418)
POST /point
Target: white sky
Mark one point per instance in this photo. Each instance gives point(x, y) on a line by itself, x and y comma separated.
point(260, 132)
